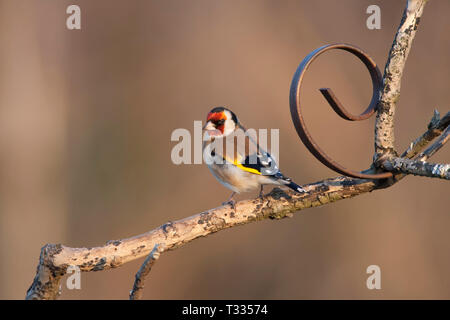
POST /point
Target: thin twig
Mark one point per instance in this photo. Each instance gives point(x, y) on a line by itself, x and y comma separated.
point(438, 144)
point(419, 166)
point(435, 129)
point(144, 270)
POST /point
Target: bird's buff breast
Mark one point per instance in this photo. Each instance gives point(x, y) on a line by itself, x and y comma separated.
point(236, 179)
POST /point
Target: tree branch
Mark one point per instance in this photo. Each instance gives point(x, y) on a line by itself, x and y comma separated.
point(45, 285)
point(144, 270)
point(390, 94)
point(420, 167)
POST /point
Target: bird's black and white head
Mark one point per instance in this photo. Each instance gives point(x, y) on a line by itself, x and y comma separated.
point(220, 122)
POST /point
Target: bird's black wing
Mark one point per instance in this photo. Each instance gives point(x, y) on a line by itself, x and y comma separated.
point(263, 163)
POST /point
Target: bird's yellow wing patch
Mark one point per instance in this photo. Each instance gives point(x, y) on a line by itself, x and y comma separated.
point(251, 170)
point(238, 164)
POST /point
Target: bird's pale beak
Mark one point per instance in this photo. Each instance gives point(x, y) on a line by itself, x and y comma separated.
point(210, 129)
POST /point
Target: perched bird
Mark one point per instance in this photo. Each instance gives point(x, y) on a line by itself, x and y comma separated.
point(236, 159)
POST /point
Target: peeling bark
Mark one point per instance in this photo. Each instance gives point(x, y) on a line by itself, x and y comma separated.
point(390, 94)
point(418, 168)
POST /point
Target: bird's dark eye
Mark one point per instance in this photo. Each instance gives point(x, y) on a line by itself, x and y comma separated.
point(220, 122)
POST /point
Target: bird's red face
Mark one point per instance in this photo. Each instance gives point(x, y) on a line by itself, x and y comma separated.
point(220, 122)
point(218, 119)
point(215, 123)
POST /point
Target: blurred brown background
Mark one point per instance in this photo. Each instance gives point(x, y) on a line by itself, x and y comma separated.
point(85, 124)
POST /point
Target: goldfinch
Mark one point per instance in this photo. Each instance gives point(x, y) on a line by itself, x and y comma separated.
point(236, 159)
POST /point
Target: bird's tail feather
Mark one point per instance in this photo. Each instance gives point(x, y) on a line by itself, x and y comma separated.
point(295, 187)
point(288, 182)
